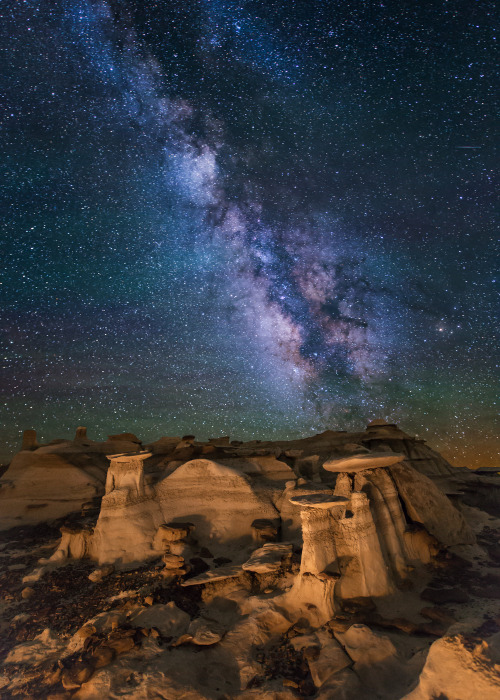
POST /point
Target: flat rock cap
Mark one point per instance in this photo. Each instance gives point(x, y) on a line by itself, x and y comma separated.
point(357, 463)
point(319, 500)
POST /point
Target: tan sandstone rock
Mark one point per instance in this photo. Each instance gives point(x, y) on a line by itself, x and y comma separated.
point(458, 668)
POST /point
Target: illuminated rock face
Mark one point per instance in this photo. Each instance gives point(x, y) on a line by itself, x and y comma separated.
point(428, 505)
point(47, 482)
point(237, 552)
point(217, 499)
point(368, 544)
point(129, 515)
point(245, 495)
point(364, 568)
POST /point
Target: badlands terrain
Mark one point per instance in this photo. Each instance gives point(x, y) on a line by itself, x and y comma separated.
point(343, 566)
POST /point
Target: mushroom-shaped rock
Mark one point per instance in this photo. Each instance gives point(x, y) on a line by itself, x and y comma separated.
point(126, 471)
point(322, 501)
point(129, 518)
point(319, 567)
point(359, 462)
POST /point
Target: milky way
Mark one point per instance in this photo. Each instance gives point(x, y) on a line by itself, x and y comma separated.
point(255, 218)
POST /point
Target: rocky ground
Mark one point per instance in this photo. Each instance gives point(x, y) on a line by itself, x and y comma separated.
point(140, 634)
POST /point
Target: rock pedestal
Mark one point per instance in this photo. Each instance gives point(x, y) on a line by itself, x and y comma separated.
point(126, 473)
point(314, 586)
point(364, 569)
point(125, 528)
point(29, 440)
point(81, 433)
point(76, 543)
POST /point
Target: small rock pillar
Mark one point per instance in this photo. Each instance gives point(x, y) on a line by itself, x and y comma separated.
point(29, 440)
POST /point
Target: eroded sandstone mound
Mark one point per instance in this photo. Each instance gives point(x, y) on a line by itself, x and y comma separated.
point(46, 482)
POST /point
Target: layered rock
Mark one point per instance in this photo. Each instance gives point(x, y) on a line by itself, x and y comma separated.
point(224, 607)
point(370, 546)
point(129, 516)
point(382, 435)
point(216, 498)
point(50, 482)
point(428, 505)
point(248, 496)
point(460, 666)
point(319, 567)
point(47, 482)
point(269, 558)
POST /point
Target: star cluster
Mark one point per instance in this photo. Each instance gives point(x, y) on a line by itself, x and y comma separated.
point(256, 218)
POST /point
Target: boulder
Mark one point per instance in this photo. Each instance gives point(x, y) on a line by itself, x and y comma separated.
point(204, 632)
point(76, 674)
point(460, 667)
point(268, 558)
point(427, 504)
point(364, 645)
point(331, 659)
point(168, 618)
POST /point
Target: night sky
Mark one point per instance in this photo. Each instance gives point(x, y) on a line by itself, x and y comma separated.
point(261, 218)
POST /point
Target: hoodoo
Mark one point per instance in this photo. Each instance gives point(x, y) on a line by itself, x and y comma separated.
point(290, 557)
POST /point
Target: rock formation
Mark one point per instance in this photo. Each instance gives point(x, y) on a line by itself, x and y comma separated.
point(29, 440)
point(46, 482)
point(290, 568)
point(319, 565)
